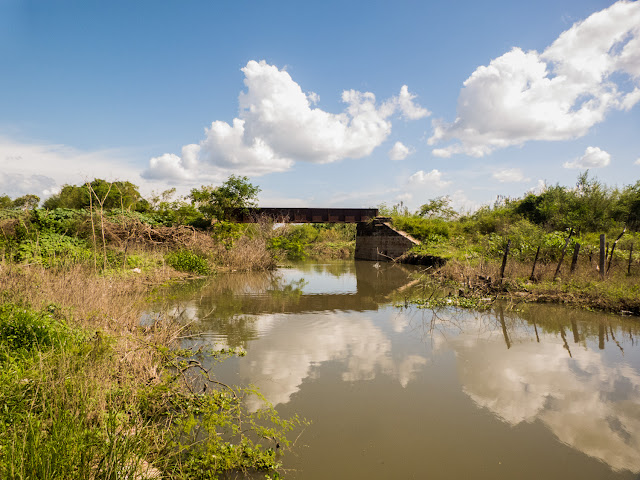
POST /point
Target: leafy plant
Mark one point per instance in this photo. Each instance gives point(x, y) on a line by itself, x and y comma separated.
point(25, 329)
point(187, 261)
point(423, 229)
point(53, 249)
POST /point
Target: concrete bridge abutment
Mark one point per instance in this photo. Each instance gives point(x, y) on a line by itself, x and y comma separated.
point(377, 240)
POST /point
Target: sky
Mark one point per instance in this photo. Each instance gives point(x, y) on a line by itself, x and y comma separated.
point(320, 104)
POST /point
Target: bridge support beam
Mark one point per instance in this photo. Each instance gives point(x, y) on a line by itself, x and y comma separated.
point(377, 240)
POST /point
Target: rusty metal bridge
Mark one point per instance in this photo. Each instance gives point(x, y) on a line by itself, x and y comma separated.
point(376, 239)
point(308, 215)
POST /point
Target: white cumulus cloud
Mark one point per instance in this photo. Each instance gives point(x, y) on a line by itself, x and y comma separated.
point(279, 125)
point(432, 178)
point(404, 197)
point(399, 151)
point(593, 158)
point(637, 162)
point(589, 70)
point(509, 175)
point(409, 109)
point(540, 187)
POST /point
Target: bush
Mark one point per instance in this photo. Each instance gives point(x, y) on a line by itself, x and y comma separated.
point(423, 229)
point(53, 250)
point(294, 240)
point(24, 329)
point(187, 261)
point(294, 248)
point(227, 232)
point(59, 220)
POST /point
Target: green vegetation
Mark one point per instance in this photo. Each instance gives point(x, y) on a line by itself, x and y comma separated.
point(108, 195)
point(70, 411)
point(234, 196)
point(186, 261)
point(85, 391)
point(318, 240)
point(547, 226)
point(111, 228)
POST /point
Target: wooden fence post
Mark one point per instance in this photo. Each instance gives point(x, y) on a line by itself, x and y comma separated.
point(613, 247)
point(504, 259)
point(574, 260)
point(564, 250)
point(602, 256)
point(533, 270)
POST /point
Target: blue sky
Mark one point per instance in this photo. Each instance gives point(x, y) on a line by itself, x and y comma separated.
point(467, 99)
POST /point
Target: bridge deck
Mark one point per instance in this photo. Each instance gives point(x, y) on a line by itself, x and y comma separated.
point(309, 215)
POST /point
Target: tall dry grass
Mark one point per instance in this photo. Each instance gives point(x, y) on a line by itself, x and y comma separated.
point(246, 254)
point(107, 307)
point(113, 401)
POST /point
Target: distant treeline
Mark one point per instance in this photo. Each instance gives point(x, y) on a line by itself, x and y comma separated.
point(100, 222)
point(589, 206)
point(543, 219)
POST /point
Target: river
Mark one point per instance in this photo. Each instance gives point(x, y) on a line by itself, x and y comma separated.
point(394, 391)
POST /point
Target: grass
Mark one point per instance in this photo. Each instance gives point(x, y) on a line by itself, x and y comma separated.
point(474, 280)
point(88, 393)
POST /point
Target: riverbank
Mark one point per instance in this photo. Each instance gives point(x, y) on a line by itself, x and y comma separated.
point(79, 371)
point(478, 284)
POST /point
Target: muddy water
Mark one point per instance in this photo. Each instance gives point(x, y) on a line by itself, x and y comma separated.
point(399, 392)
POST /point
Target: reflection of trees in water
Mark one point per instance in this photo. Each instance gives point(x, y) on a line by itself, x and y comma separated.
point(229, 307)
point(231, 304)
point(544, 364)
point(290, 290)
point(532, 322)
point(336, 269)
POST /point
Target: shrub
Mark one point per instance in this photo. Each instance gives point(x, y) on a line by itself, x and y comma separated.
point(423, 229)
point(187, 261)
point(227, 232)
point(24, 329)
point(294, 240)
point(53, 250)
point(294, 248)
point(59, 220)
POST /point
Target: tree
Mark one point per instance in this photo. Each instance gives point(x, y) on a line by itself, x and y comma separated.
point(233, 197)
point(28, 202)
point(5, 201)
point(627, 208)
point(116, 195)
point(439, 207)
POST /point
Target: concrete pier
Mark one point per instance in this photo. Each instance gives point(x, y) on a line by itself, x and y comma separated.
point(377, 240)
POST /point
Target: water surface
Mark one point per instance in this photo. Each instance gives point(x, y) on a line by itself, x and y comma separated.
point(395, 391)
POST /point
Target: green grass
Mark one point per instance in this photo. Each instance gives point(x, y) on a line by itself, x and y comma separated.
point(73, 406)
